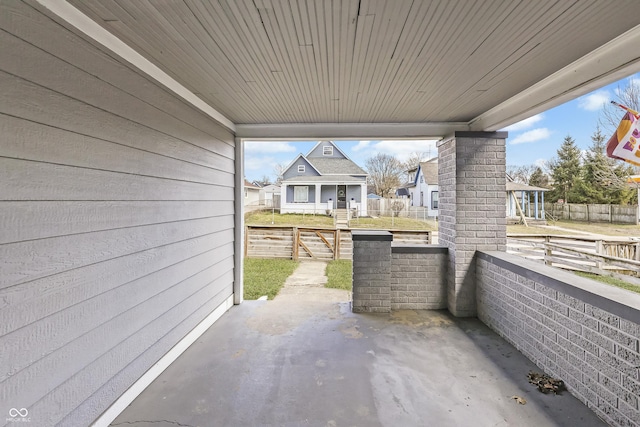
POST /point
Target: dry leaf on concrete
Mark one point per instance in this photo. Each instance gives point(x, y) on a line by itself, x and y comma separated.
point(520, 400)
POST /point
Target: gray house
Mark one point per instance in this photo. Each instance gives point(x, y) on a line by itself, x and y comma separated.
point(323, 179)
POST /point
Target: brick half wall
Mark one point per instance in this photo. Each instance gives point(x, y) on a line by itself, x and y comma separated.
point(418, 277)
point(576, 329)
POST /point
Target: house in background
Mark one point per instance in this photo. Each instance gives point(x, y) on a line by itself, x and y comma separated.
point(323, 179)
point(423, 188)
point(271, 195)
point(253, 194)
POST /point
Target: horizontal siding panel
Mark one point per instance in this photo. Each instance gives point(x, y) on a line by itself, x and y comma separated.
point(26, 180)
point(33, 27)
point(117, 202)
point(112, 345)
point(23, 139)
point(37, 299)
point(34, 259)
point(153, 341)
point(59, 218)
point(60, 329)
point(69, 114)
point(48, 71)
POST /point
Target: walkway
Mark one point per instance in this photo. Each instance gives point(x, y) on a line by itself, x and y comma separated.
point(304, 359)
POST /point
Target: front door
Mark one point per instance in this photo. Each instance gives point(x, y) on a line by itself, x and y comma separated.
point(342, 197)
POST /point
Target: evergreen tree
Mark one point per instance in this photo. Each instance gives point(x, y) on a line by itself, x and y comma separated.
point(566, 172)
point(595, 188)
point(539, 178)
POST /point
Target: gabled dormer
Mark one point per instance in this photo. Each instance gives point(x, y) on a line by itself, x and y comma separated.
point(300, 167)
point(326, 149)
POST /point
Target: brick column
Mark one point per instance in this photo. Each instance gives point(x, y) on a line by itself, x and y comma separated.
point(472, 212)
point(371, 271)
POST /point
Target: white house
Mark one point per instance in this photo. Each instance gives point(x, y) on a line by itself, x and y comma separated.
point(271, 195)
point(253, 194)
point(323, 179)
point(423, 189)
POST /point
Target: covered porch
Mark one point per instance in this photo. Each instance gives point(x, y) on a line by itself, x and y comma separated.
point(322, 196)
point(310, 361)
point(121, 189)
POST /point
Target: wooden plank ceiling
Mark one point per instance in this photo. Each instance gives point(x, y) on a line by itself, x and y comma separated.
point(360, 61)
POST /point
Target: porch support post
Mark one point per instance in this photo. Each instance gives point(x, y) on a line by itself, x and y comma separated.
point(363, 200)
point(317, 199)
point(238, 285)
point(472, 180)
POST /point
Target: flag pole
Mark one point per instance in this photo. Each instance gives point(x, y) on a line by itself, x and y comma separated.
point(634, 112)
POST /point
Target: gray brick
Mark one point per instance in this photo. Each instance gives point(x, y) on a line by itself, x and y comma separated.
point(602, 315)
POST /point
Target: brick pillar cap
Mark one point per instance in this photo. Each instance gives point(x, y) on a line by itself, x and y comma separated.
point(372, 235)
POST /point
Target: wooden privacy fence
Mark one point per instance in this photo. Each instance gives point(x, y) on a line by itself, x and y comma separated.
point(619, 259)
point(312, 243)
point(593, 213)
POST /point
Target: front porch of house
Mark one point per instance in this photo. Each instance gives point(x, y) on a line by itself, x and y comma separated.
point(311, 361)
point(318, 198)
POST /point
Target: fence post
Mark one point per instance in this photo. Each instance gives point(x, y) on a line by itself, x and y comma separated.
point(599, 251)
point(547, 250)
point(296, 244)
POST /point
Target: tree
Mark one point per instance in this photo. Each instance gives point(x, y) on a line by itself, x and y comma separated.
point(565, 171)
point(264, 181)
point(412, 162)
point(278, 171)
point(595, 186)
point(385, 173)
point(538, 178)
point(521, 174)
point(628, 95)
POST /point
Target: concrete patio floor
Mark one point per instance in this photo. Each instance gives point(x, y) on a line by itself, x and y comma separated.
point(304, 359)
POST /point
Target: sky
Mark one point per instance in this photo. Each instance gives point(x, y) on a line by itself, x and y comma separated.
point(531, 141)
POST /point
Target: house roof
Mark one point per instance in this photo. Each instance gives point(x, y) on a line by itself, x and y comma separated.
point(430, 171)
point(333, 166)
point(331, 169)
point(326, 178)
point(248, 184)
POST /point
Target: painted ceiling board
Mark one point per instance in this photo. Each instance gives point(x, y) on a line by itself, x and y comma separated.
point(367, 61)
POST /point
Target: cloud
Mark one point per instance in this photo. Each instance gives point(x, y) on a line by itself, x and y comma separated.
point(401, 149)
point(268, 147)
point(594, 101)
point(524, 124)
point(258, 163)
point(531, 136)
point(361, 145)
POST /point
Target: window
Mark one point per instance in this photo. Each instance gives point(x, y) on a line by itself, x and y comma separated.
point(246, 193)
point(300, 168)
point(300, 194)
point(327, 150)
point(434, 200)
point(421, 179)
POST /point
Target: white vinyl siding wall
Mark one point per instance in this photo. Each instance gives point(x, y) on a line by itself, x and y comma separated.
point(116, 219)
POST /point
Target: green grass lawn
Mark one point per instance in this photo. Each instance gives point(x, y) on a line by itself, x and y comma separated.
point(339, 274)
point(610, 281)
point(266, 276)
point(297, 220)
point(293, 220)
